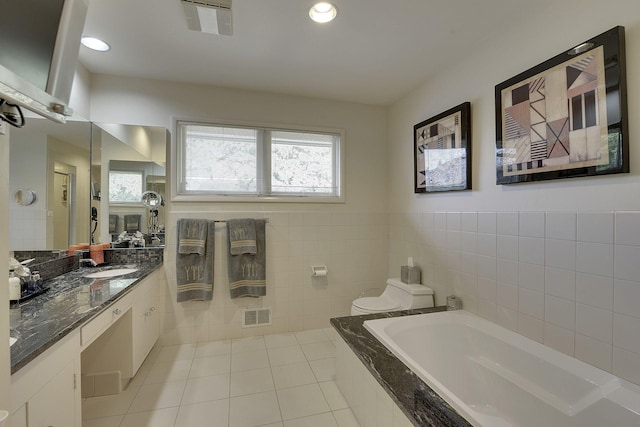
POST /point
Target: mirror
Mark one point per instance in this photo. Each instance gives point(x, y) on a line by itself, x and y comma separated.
point(49, 167)
point(59, 168)
point(128, 181)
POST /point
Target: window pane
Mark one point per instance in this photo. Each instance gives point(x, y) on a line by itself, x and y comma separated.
point(302, 162)
point(125, 187)
point(220, 159)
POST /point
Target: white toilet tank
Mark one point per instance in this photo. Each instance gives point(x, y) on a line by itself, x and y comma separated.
point(396, 296)
point(408, 296)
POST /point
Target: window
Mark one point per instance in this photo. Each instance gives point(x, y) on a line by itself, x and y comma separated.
point(125, 186)
point(223, 160)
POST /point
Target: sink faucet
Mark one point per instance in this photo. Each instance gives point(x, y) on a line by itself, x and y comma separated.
point(84, 261)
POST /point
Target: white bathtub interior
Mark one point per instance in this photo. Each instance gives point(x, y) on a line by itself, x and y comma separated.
point(495, 377)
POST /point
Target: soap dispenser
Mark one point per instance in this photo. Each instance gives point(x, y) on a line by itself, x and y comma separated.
point(14, 287)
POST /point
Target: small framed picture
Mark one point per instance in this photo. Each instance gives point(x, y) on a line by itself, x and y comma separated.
point(442, 151)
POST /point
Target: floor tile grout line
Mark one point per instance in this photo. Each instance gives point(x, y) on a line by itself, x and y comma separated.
point(131, 403)
point(307, 416)
point(275, 391)
point(229, 387)
point(184, 389)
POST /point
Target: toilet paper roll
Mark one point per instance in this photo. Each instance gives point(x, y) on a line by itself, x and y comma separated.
point(319, 270)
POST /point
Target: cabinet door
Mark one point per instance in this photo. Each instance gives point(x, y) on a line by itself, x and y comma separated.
point(45, 407)
point(146, 321)
point(152, 318)
point(19, 417)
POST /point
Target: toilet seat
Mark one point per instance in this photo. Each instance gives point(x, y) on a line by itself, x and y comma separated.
point(375, 304)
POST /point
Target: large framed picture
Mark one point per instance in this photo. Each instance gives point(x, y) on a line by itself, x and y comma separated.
point(566, 117)
point(442, 151)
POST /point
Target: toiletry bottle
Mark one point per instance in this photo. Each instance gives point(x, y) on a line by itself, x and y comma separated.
point(14, 287)
point(38, 279)
point(34, 282)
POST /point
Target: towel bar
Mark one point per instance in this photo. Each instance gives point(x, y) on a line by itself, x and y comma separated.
point(224, 220)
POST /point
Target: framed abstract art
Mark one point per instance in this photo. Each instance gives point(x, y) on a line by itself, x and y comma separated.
point(566, 117)
point(442, 151)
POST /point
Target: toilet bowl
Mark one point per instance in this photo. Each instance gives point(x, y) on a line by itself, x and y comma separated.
point(396, 296)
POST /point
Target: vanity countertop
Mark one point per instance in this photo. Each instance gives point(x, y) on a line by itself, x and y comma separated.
point(71, 301)
point(416, 399)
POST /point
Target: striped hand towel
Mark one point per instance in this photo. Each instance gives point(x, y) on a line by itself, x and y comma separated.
point(247, 273)
point(242, 236)
point(192, 235)
point(194, 273)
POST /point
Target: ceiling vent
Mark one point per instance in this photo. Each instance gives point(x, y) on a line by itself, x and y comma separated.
point(213, 17)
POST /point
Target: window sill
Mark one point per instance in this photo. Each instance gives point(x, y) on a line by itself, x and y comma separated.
point(256, 199)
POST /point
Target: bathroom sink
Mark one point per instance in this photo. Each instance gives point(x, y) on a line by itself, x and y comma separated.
point(110, 273)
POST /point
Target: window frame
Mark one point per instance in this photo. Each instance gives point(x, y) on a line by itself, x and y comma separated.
point(263, 167)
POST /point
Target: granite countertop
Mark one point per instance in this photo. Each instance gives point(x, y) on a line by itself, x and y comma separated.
point(417, 400)
point(71, 301)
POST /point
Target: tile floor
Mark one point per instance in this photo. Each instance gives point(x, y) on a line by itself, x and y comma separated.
point(283, 380)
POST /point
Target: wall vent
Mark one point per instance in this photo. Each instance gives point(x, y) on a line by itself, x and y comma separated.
point(252, 317)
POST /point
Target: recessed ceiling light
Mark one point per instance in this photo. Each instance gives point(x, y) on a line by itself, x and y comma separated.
point(95, 43)
point(323, 12)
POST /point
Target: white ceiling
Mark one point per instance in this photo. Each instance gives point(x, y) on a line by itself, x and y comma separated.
point(374, 52)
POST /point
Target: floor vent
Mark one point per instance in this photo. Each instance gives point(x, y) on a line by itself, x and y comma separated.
point(256, 317)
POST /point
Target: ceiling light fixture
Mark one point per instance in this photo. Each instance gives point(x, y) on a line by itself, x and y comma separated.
point(209, 16)
point(323, 12)
point(95, 43)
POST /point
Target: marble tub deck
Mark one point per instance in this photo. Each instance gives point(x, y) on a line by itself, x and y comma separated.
point(417, 400)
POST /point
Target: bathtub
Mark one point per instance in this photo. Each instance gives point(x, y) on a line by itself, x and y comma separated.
point(495, 377)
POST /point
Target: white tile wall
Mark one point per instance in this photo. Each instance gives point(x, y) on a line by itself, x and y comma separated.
point(593, 351)
point(354, 246)
point(532, 224)
point(561, 225)
point(596, 227)
point(28, 229)
point(507, 247)
point(594, 290)
point(570, 280)
point(531, 249)
point(560, 283)
point(487, 222)
point(508, 223)
point(469, 222)
point(559, 338)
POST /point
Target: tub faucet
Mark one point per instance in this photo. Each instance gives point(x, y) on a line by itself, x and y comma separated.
point(454, 303)
point(89, 261)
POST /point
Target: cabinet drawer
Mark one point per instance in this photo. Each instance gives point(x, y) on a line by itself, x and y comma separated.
point(98, 324)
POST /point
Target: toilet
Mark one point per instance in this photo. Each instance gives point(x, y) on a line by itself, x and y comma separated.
point(396, 296)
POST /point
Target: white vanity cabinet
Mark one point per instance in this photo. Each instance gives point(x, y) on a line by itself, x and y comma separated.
point(44, 407)
point(46, 392)
point(146, 316)
point(120, 338)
